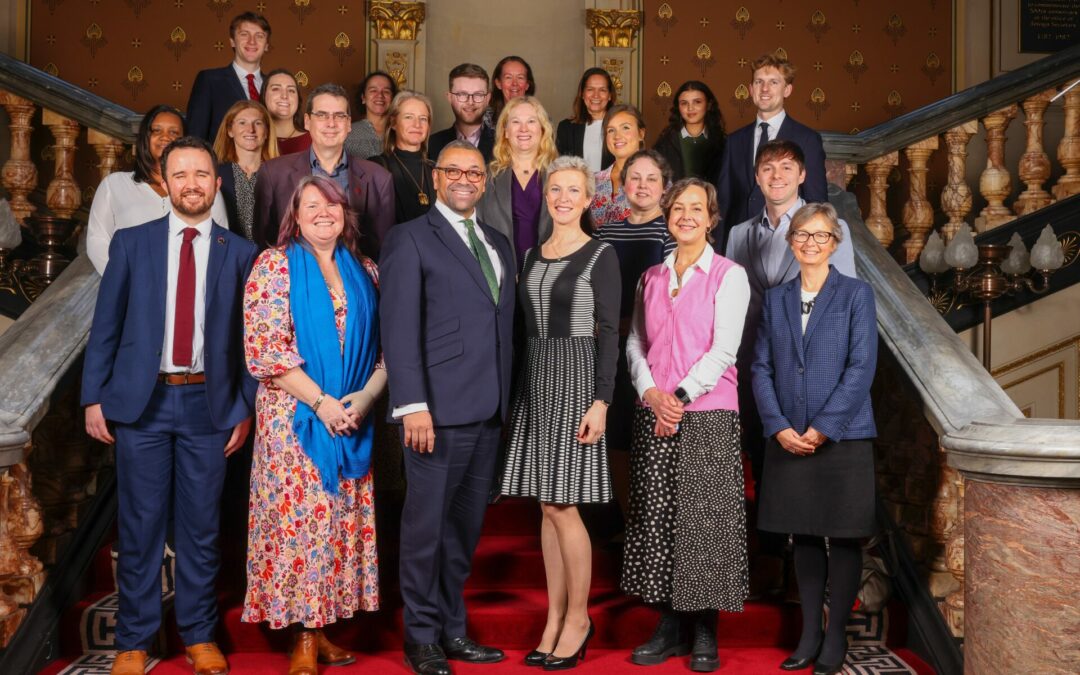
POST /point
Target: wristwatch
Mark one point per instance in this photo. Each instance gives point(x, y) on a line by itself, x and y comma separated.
point(681, 394)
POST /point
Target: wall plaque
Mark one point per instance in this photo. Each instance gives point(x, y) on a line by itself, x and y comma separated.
point(1048, 26)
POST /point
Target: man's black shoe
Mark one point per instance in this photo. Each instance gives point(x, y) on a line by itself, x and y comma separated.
point(426, 659)
point(464, 649)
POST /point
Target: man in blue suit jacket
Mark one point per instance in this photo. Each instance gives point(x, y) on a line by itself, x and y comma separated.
point(165, 368)
point(216, 89)
point(737, 190)
point(446, 309)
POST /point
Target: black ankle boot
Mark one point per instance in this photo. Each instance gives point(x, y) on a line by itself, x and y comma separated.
point(703, 658)
point(669, 639)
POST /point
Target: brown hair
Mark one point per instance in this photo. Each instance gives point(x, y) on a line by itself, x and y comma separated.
point(623, 108)
point(771, 60)
point(467, 70)
point(676, 191)
point(581, 113)
point(298, 116)
point(778, 149)
point(225, 147)
point(249, 17)
point(390, 135)
point(666, 174)
point(332, 192)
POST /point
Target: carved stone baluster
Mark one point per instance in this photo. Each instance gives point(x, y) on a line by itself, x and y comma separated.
point(995, 183)
point(1069, 148)
point(25, 526)
point(878, 220)
point(1034, 164)
point(11, 615)
point(851, 170)
point(62, 197)
point(954, 556)
point(944, 518)
point(918, 212)
point(19, 173)
point(956, 197)
point(108, 150)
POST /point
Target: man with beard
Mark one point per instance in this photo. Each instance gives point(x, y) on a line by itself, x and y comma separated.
point(370, 187)
point(446, 315)
point(165, 379)
point(469, 96)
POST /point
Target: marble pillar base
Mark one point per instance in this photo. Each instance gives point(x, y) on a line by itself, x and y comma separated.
point(1022, 578)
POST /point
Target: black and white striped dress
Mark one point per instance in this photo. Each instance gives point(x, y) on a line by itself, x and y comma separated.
point(571, 308)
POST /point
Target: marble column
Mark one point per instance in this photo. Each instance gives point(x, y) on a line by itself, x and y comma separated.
point(1022, 596)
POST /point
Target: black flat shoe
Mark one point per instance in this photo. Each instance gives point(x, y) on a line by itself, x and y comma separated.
point(553, 662)
point(426, 659)
point(825, 669)
point(536, 658)
point(465, 649)
point(792, 663)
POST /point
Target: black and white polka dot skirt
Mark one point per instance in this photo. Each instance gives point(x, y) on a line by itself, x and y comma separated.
point(686, 534)
point(543, 457)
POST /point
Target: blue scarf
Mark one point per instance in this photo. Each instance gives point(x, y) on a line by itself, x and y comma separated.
point(337, 373)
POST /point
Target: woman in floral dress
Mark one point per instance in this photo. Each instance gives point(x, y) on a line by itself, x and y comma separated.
point(311, 534)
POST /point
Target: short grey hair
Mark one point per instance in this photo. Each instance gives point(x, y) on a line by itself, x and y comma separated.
point(328, 89)
point(572, 163)
point(812, 210)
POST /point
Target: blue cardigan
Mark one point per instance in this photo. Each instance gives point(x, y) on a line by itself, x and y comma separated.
point(822, 378)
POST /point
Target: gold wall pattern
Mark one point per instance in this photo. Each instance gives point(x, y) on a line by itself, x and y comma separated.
point(859, 63)
point(139, 53)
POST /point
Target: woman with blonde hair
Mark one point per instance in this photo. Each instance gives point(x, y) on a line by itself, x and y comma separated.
point(513, 198)
point(244, 141)
point(404, 155)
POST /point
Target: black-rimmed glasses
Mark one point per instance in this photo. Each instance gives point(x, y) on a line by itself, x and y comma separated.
point(454, 173)
point(463, 96)
point(801, 237)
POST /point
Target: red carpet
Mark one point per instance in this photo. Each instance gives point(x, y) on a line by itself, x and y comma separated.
point(507, 605)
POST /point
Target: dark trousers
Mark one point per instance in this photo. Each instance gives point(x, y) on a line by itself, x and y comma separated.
point(172, 452)
point(445, 500)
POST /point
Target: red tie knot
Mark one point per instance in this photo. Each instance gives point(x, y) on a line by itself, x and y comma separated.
point(190, 233)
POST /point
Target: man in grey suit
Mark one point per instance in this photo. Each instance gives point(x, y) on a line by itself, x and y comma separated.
point(760, 245)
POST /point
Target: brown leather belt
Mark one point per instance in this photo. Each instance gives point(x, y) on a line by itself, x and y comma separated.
point(182, 378)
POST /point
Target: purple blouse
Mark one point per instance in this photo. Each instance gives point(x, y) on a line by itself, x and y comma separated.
point(526, 204)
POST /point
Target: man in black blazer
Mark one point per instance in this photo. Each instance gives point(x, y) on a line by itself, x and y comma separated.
point(469, 96)
point(370, 187)
point(737, 191)
point(216, 89)
point(446, 310)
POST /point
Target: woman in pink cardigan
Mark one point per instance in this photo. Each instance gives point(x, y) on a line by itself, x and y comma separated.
point(686, 537)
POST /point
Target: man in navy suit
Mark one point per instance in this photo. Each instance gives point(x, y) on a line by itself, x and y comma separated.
point(165, 370)
point(446, 309)
point(369, 186)
point(737, 191)
point(216, 89)
point(469, 96)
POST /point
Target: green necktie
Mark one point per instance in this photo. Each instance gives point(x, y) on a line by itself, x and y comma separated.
point(480, 251)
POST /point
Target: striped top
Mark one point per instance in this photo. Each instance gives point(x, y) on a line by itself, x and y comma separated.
point(638, 247)
point(576, 296)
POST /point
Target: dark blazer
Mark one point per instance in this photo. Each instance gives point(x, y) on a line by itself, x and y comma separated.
point(371, 195)
point(822, 378)
point(212, 94)
point(669, 145)
point(228, 195)
point(445, 341)
point(736, 189)
point(570, 140)
point(497, 210)
point(123, 354)
point(441, 139)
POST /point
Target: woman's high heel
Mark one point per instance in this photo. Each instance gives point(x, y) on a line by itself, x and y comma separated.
point(536, 657)
point(553, 662)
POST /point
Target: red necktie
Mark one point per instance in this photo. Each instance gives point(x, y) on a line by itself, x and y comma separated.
point(253, 93)
point(184, 320)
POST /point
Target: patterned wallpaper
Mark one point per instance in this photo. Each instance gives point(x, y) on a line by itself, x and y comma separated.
point(860, 62)
point(142, 52)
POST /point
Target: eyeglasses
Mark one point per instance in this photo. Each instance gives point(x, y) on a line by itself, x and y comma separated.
point(801, 237)
point(463, 96)
point(454, 173)
point(322, 116)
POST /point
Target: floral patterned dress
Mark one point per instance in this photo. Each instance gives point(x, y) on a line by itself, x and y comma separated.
point(607, 207)
point(311, 555)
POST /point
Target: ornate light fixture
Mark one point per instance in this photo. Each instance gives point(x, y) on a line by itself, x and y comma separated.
point(986, 272)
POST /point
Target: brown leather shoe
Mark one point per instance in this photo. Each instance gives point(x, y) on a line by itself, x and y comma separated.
point(331, 654)
point(131, 662)
point(305, 654)
point(207, 659)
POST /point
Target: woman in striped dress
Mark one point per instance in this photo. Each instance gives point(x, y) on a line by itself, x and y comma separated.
point(569, 292)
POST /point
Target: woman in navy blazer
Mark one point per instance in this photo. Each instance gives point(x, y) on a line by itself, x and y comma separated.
point(813, 367)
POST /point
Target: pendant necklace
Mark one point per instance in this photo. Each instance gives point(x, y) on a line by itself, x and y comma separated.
point(421, 195)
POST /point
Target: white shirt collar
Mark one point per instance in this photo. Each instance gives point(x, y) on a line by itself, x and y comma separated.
point(242, 74)
point(177, 226)
point(704, 262)
point(686, 134)
point(774, 122)
point(452, 216)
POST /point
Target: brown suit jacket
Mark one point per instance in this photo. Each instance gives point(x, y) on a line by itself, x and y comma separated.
point(371, 195)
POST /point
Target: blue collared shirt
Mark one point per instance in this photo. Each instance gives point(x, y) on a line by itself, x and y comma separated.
point(340, 174)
